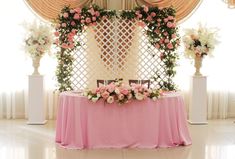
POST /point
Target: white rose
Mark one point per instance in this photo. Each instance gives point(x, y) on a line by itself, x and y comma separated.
point(117, 91)
point(94, 99)
point(139, 96)
point(89, 96)
point(154, 98)
point(110, 100)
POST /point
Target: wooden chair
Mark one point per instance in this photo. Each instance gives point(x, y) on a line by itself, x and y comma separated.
point(142, 82)
point(104, 82)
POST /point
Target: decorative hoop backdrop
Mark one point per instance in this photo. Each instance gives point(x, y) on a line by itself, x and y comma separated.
point(159, 25)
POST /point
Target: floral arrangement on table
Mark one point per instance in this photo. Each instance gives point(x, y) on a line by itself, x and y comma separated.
point(199, 42)
point(39, 39)
point(159, 24)
point(121, 93)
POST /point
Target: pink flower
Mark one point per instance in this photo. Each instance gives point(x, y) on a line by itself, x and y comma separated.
point(78, 10)
point(56, 33)
point(71, 46)
point(169, 24)
point(105, 95)
point(91, 10)
point(57, 26)
point(142, 24)
point(124, 91)
point(165, 20)
point(65, 15)
point(173, 36)
point(93, 18)
point(110, 99)
point(82, 21)
point(146, 9)
point(88, 20)
point(139, 16)
point(129, 96)
point(57, 41)
point(74, 31)
point(153, 14)
point(161, 56)
point(165, 33)
point(169, 46)
point(159, 20)
point(94, 23)
point(64, 45)
point(170, 17)
point(157, 31)
point(111, 88)
point(166, 40)
point(157, 45)
point(120, 96)
point(64, 25)
point(137, 12)
point(97, 13)
point(76, 16)
point(149, 18)
point(73, 23)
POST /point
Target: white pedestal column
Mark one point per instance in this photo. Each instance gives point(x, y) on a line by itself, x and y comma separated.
point(198, 100)
point(36, 109)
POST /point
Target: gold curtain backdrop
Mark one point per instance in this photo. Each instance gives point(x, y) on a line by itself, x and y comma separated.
point(49, 9)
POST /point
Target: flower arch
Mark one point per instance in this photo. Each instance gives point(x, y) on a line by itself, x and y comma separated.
point(160, 27)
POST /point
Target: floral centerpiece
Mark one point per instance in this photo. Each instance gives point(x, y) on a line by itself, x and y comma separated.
point(121, 93)
point(199, 43)
point(38, 41)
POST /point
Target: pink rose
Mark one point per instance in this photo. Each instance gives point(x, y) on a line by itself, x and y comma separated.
point(165, 20)
point(73, 23)
point(173, 36)
point(146, 9)
point(149, 18)
point(124, 91)
point(153, 14)
point(165, 33)
point(169, 46)
point(159, 20)
point(97, 13)
point(56, 33)
point(74, 31)
point(139, 16)
point(71, 45)
point(82, 21)
point(110, 99)
point(166, 40)
point(64, 25)
point(94, 23)
point(64, 45)
point(157, 31)
point(93, 18)
point(157, 45)
point(88, 20)
point(78, 10)
point(65, 15)
point(169, 24)
point(142, 24)
point(91, 11)
point(170, 17)
point(76, 16)
point(105, 95)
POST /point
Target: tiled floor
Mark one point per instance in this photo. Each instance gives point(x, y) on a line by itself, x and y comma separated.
point(21, 141)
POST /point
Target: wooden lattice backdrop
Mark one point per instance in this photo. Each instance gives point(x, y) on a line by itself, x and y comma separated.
point(115, 49)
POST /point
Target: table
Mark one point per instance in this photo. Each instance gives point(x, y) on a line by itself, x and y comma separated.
point(142, 124)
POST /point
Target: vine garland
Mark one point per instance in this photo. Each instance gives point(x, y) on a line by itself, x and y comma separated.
point(161, 32)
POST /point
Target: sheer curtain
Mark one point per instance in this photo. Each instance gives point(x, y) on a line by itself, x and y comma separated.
point(221, 88)
point(15, 66)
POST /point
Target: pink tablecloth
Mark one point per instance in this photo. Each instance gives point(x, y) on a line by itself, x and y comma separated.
point(143, 124)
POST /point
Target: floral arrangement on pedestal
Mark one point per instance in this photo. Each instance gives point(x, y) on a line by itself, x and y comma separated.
point(121, 93)
point(161, 31)
point(199, 43)
point(38, 41)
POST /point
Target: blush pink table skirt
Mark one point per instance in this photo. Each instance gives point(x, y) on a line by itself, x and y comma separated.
point(142, 124)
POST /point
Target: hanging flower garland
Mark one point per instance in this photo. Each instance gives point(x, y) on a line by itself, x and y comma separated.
point(161, 32)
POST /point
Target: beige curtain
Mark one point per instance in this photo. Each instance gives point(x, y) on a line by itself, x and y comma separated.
point(49, 9)
point(183, 7)
point(231, 3)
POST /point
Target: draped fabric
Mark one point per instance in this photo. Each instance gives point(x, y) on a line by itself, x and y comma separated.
point(231, 3)
point(183, 7)
point(49, 9)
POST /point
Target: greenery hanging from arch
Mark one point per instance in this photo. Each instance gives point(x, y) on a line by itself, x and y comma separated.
point(161, 32)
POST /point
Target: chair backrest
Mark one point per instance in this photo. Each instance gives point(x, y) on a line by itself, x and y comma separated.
point(103, 82)
point(143, 82)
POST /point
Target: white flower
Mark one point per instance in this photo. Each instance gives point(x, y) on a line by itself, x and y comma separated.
point(110, 99)
point(154, 98)
point(94, 99)
point(89, 96)
point(139, 96)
